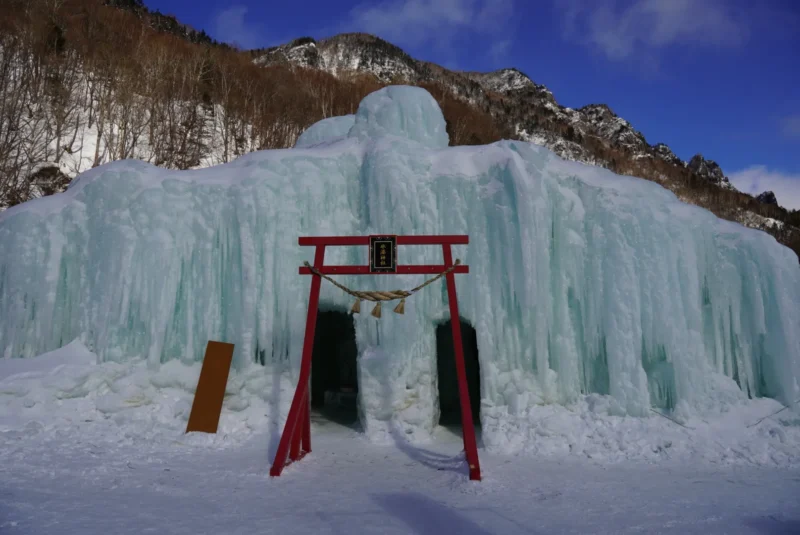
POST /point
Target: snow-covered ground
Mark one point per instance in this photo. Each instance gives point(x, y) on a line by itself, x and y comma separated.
point(61, 484)
point(99, 448)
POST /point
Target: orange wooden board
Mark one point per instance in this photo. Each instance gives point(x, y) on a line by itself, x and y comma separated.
point(207, 405)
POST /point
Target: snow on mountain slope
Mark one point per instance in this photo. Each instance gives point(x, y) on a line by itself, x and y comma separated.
point(346, 53)
point(582, 283)
point(506, 80)
point(613, 127)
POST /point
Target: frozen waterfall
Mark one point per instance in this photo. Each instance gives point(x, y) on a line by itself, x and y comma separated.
point(581, 281)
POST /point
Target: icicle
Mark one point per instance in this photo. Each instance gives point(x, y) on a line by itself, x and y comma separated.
point(377, 310)
point(401, 308)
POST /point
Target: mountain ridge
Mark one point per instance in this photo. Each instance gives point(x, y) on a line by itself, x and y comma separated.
point(529, 111)
point(365, 53)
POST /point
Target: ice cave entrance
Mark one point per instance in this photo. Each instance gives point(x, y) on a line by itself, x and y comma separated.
point(334, 379)
point(449, 404)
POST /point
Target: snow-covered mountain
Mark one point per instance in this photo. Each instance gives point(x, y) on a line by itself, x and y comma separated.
point(529, 111)
point(364, 53)
point(347, 53)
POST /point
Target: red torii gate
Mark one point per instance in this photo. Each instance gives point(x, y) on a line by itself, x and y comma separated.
point(296, 437)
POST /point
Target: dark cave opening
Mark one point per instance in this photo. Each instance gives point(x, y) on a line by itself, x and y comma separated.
point(334, 377)
point(449, 404)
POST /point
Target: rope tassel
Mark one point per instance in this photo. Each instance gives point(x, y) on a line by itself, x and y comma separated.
point(378, 297)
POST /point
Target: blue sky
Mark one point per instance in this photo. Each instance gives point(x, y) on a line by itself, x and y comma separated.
point(718, 77)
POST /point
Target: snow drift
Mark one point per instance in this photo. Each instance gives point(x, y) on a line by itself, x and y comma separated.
point(581, 282)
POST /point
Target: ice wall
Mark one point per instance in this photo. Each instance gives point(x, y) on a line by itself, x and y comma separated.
point(581, 281)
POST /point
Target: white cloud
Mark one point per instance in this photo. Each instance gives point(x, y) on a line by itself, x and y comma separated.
point(758, 179)
point(498, 52)
point(643, 26)
point(436, 22)
point(494, 15)
point(231, 26)
point(791, 125)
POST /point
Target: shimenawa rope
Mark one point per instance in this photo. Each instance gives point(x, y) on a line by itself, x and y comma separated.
point(378, 297)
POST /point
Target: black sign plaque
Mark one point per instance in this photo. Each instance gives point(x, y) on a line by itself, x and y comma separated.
point(383, 254)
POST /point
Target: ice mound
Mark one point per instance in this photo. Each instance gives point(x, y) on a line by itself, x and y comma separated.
point(402, 111)
point(326, 131)
point(67, 400)
point(67, 391)
point(73, 355)
point(581, 282)
point(595, 429)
